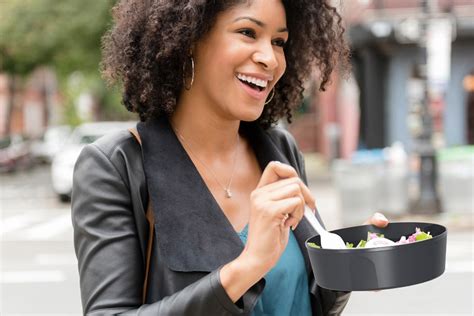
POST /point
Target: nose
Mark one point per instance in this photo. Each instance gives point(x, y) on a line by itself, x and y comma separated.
point(265, 56)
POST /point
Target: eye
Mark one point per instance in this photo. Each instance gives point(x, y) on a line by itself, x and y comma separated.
point(247, 32)
point(279, 42)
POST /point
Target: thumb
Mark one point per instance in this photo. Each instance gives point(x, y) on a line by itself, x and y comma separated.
point(275, 171)
point(378, 219)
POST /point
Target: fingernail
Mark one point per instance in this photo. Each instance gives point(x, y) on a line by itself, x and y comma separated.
point(276, 161)
point(380, 217)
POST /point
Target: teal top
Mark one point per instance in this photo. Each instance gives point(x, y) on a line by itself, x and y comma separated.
point(286, 289)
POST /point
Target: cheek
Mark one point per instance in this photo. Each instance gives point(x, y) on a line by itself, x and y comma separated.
point(281, 66)
point(224, 62)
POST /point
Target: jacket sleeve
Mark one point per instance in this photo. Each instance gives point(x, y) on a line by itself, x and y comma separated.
point(107, 246)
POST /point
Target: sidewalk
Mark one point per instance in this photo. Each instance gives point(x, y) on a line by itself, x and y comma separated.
point(327, 200)
point(321, 185)
point(421, 299)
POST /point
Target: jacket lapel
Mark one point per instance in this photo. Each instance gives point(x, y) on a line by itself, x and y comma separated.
point(266, 151)
point(192, 231)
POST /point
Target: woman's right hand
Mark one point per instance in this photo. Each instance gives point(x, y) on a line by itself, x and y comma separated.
point(276, 205)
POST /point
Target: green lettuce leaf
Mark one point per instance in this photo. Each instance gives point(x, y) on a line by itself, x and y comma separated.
point(313, 245)
point(423, 236)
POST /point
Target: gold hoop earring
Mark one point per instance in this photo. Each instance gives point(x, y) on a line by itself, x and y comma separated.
point(271, 98)
point(192, 74)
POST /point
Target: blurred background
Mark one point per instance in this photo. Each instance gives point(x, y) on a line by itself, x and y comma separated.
point(395, 135)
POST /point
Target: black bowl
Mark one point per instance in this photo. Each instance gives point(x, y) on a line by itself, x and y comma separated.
point(365, 269)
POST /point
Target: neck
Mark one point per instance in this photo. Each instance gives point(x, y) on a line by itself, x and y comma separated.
point(203, 129)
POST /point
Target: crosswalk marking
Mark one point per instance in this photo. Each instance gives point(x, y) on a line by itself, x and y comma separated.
point(55, 314)
point(36, 225)
point(55, 259)
point(36, 276)
point(50, 228)
point(17, 222)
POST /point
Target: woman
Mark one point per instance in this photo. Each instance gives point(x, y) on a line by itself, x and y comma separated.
point(208, 79)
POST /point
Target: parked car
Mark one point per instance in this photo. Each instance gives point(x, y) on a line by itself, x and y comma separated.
point(62, 167)
point(14, 153)
point(51, 143)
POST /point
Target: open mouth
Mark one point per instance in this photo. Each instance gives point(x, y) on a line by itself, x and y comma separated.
point(252, 85)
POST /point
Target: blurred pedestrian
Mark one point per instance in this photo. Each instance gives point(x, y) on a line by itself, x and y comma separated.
point(208, 79)
point(469, 87)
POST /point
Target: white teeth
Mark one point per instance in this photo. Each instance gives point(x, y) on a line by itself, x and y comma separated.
point(255, 81)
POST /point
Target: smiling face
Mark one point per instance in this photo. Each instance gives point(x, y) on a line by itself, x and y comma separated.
point(241, 58)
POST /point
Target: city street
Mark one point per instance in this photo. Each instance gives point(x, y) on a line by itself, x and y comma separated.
point(39, 270)
point(39, 273)
point(378, 95)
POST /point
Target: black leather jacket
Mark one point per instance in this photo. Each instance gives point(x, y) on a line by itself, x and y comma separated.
point(193, 238)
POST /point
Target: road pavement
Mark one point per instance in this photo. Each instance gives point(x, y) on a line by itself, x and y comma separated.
point(38, 265)
point(450, 294)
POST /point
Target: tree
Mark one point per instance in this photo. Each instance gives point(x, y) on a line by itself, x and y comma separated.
point(65, 35)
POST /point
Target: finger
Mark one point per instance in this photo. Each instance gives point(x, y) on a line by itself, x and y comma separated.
point(283, 221)
point(296, 216)
point(290, 190)
point(275, 171)
point(280, 188)
point(283, 192)
point(280, 183)
point(290, 211)
point(283, 209)
point(378, 219)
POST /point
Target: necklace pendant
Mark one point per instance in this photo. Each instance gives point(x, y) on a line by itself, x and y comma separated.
point(228, 193)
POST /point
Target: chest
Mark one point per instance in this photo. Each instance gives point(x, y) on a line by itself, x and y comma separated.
point(246, 176)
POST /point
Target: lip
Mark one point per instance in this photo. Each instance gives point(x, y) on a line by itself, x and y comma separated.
point(259, 95)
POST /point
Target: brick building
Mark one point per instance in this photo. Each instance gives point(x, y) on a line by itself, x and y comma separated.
point(377, 108)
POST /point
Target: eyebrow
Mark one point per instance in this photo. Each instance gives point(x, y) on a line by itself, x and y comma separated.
point(259, 23)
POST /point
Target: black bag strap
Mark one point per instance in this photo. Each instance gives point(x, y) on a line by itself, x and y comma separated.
point(151, 223)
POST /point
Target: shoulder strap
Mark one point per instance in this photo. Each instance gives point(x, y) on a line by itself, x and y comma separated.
point(151, 223)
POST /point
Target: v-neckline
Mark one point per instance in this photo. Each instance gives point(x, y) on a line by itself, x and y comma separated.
point(244, 231)
point(202, 180)
point(188, 220)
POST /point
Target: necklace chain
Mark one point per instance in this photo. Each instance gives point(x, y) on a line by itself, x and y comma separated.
point(227, 190)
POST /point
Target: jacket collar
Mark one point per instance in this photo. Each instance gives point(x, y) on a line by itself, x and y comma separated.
point(191, 230)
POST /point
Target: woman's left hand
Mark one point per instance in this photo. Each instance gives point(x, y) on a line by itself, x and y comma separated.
point(378, 219)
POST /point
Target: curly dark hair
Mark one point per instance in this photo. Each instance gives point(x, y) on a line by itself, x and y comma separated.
point(148, 45)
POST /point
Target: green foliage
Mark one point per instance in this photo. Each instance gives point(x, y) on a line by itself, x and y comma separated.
point(64, 35)
point(113, 110)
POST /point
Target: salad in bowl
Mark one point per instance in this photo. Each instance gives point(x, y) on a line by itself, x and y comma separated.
point(376, 258)
point(375, 240)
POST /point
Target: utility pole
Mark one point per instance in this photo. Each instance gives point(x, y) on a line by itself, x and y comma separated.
point(428, 200)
